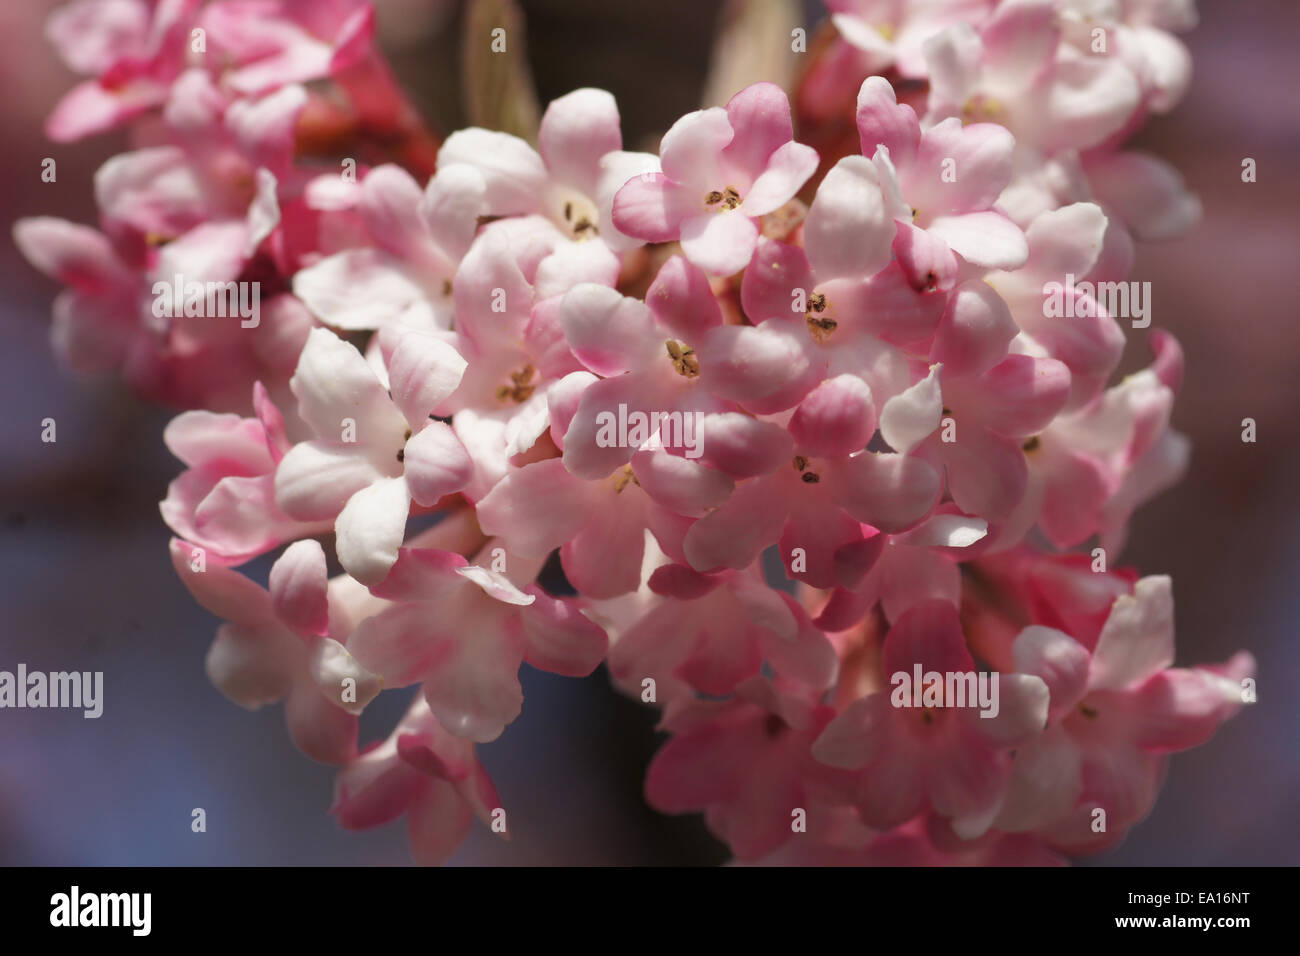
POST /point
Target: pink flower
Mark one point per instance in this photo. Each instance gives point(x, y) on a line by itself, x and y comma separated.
point(133, 51)
point(824, 507)
point(645, 351)
point(285, 644)
point(945, 182)
point(374, 452)
point(462, 631)
point(402, 273)
point(422, 771)
point(571, 181)
point(599, 526)
point(984, 420)
point(950, 758)
point(722, 169)
point(264, 44)
point(891, 32)
point(224, 501)
point(746, 764)
point(1116, 708)
point(909, 568)
point(709, 633)
point(1062, 243)
point(1016, 71)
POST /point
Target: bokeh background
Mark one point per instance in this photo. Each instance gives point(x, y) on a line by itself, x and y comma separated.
point(86, 584)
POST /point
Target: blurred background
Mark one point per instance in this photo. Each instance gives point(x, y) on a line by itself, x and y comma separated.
point(86, 583)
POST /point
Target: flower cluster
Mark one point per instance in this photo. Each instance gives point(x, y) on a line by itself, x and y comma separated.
point(666, 369)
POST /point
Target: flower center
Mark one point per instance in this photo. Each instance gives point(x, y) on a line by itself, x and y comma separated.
point(622, 477)
point(683, 359)
point(801, 465)
point(980, 108)
point(580, 220)
point(728, 198)
point(820, 326)
point(521, 387)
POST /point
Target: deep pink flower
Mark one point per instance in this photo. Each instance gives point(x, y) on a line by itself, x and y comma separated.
point(722, 170)
point(462, 631)
point(951, 759)
point(421, 771)
point(285, 643)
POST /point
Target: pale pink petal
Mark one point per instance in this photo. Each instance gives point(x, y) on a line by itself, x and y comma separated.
point(987, 474)
point(437, 823)
point(691, 150)
point(1021, 394)
point(975, 330)
point(423, 372)
point(978, 158)
point(253, 667)
point(743, 446)
point(473, 688)
point(321, 729)
point(766, 368)
point(92, 35)
point(889, 492)
point(370, 528)
point(536, 508)
point(777, 273)
point(682, 300)
point(835, 419)
point(681, 484)
point(220, 589)
point(592, 446)
point(74, 255)
point(913, 414)
point(333, 383)
point(512, 171)
point(721, 242)
point(1058, 659)
point(854, 737)
point(1147, 193)
point(883, 122)
point(849, 232)
point(787, 170)
point(340, 677)
point(760, 116)
point(297, 587)
point(436, 464)
point(316, 478)
point(986, 239)
point(560, 639)
point(603, 560)
point(577, 130)
point(1137, 639)
point(735, 534)
point(399, 643)
point(357, 289)
point(651, 207)
point(609, 333)
point(453, 201)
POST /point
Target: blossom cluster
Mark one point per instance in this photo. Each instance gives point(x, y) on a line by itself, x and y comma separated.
point(796, 421)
